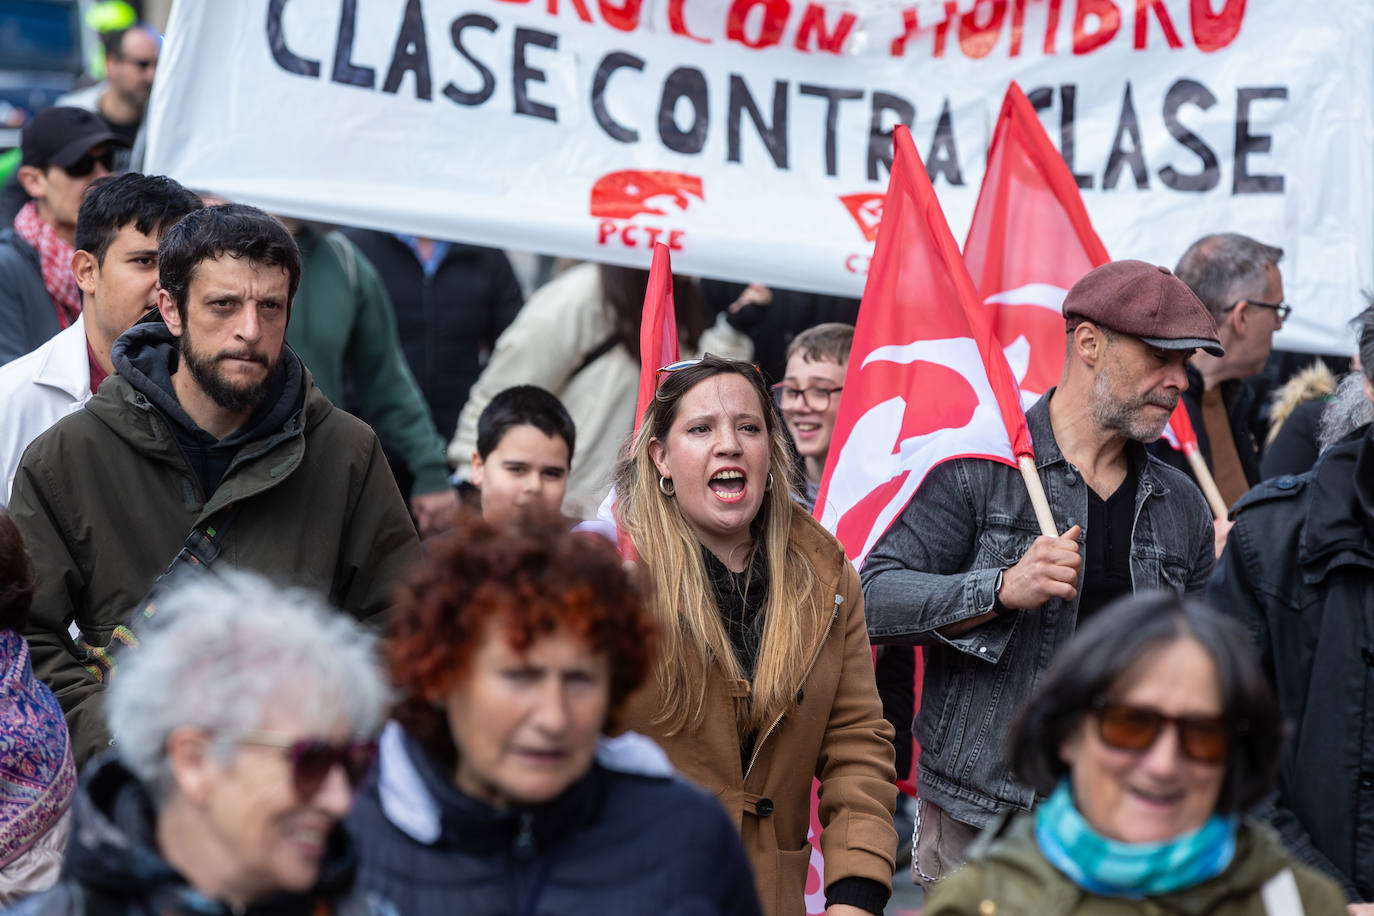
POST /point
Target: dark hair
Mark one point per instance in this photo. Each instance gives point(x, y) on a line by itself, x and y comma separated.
point(237, 230)
point(148, 202)
point(17, 584)
point(524, 405)
point(1113, 642)
point(534, 580)
point(1363, 324)
point(623, 289)
point(113, 40)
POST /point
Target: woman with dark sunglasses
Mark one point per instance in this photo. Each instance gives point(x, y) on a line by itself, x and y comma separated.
point(765, 681)
point(1150, 737)
point(514, 648)
point(244, 717)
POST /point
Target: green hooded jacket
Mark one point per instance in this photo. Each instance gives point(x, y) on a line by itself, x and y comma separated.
point(1007, 875)
point(106, 497)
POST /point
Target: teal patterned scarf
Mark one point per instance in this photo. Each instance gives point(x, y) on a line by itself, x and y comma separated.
point(1115, 869)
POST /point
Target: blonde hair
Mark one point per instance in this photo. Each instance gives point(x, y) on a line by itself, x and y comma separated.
point(692, 634)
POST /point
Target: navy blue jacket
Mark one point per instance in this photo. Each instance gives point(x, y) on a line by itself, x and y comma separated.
point(614, 842)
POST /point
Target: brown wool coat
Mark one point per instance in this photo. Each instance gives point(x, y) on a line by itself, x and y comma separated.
point(835, 731)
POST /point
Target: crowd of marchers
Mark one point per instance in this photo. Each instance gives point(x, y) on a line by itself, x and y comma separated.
point(234, 680)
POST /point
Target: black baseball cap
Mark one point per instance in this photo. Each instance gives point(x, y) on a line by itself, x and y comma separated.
point(61, 135)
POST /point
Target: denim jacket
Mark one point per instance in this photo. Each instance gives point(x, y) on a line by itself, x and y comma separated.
point(937, 565)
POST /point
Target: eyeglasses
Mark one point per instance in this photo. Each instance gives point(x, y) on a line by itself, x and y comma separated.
point(1205, 739)
point(815, 397)
point(312, 760)
point(86, 164)
point(663, 372)
point(1283, 308)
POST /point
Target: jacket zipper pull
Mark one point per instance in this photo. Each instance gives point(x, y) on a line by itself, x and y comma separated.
point(524, 840)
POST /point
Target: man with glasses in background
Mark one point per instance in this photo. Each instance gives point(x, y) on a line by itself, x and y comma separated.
point(1238, 279)
point(122, 97)
point(63, 151)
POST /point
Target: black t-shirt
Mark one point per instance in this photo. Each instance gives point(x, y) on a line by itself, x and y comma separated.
point(1107, 551)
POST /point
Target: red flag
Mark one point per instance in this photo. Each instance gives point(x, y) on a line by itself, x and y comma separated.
point(1179, 433)
point(657, 348)
point(1029, 241)
point(657, 328)
point(926, 380)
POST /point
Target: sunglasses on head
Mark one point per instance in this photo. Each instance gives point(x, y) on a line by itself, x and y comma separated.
point(86, 164)
point(1204, 739)
point(664, 371)
point(312, 760)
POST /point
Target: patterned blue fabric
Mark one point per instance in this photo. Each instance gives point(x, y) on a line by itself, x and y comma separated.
point(37, 771)
point(1134, 870)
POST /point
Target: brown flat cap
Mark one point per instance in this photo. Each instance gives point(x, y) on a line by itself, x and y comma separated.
point(1145, 301)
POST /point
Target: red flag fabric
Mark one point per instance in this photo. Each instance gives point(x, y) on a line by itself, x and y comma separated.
point(926, 380)
point(1179, 433)
point(1029, 241)
point(657, 328)
point(658, 347)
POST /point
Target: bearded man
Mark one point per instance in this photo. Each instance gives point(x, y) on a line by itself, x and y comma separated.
point(209, 444)
point(965, 571)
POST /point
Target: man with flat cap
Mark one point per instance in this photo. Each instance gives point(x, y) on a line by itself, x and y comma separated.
point(965, 572)
point(62, 151)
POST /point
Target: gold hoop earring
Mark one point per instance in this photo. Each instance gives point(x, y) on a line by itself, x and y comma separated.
point(665, 486)
point(768, 486)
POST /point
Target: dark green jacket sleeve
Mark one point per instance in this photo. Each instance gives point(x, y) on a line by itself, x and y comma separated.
point(388, 395)
point(378, 546)
point(36, 507)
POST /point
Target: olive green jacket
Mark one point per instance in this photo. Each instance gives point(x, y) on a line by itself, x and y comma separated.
point(1007, 875)
point(105, 498)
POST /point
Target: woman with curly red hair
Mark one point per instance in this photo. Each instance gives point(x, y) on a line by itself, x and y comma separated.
point(513, 650)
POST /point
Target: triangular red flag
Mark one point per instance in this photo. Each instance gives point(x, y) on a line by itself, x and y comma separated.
point(1029, 241)
point(658, 347)
point(926, 381)
point(657, 328)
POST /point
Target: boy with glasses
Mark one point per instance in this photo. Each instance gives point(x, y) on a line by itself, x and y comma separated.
point(63, 151)
point(809, 396)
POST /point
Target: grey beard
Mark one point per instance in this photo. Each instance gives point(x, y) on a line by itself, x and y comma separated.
point(1349, 410)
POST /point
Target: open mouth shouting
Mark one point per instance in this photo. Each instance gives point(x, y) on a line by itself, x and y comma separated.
point(728, 484)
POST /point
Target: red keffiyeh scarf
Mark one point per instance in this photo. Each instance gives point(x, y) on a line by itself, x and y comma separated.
point(55, 256)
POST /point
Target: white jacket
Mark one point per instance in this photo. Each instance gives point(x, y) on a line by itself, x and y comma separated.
point(38, 389)
point(562, 322)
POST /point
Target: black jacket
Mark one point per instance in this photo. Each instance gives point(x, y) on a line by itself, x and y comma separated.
point(1239, 401)
point(1299, 572)
point(447, 321)
point(614, 842)
point(27, 316)
point(113, 867)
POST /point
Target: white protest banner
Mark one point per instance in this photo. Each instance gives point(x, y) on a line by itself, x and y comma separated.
point(753, 136)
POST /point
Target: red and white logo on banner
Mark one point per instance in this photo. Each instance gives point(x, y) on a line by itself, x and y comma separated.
point(926, 380)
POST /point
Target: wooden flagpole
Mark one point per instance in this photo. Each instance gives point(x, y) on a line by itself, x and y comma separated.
point(1206, 481)
point(1037, 495)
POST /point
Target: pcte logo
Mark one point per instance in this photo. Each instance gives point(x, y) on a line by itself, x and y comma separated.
point(622, 199)
point(867, 211)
